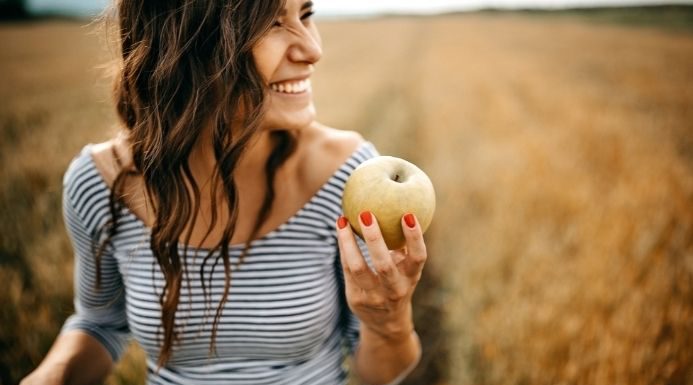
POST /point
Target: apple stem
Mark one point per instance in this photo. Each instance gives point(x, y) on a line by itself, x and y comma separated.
point(396, 177)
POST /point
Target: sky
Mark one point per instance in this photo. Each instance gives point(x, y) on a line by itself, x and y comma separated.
point(337, 8)
point(331, 7)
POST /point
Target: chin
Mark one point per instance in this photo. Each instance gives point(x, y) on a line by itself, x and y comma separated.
point(289, 120)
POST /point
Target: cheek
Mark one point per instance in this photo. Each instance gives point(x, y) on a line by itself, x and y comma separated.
point(267, 57)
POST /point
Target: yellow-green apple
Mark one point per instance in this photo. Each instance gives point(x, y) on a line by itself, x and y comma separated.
point(389, 188)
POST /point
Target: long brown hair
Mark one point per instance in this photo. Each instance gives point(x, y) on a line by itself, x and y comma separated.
point(187, 65)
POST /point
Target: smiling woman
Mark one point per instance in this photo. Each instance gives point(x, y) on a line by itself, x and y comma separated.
point(210, 229)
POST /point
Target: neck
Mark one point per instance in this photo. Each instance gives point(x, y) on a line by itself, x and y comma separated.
point(250, 165)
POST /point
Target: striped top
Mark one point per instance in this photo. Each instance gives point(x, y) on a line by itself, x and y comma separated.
point(285, 321)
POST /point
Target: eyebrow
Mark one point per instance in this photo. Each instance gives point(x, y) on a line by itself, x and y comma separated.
point(307, 4)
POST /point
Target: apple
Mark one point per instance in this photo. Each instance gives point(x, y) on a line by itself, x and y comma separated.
point(389, 187)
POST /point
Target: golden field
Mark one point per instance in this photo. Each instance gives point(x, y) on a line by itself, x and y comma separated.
point(562, 155)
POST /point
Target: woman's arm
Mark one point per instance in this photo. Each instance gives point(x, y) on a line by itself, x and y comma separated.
point(380, 360)
point(75, 358)
point(389, 348)
point(95, 336)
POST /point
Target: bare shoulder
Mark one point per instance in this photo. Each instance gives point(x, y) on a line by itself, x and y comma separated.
point(341, 143)
point(325, 149)
point(110, 157)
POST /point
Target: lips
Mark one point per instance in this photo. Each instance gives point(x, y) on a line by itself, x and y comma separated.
point(291, 86)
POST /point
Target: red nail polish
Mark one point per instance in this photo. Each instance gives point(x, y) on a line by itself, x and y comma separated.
point(410, 221)
point(366, 218)
point(341, 222)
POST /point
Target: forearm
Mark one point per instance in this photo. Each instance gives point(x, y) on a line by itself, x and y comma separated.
point(386, 360)
point(75, 358)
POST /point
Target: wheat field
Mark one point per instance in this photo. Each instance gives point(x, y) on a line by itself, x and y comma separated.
point(562, 155)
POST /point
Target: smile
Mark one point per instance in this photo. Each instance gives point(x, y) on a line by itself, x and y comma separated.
point(291, 87)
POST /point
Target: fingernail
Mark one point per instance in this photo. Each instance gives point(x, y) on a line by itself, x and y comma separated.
point(341, 222)
point(410, 221)
point(366, 218)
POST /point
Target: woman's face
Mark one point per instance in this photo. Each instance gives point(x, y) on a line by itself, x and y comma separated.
point(285, 58)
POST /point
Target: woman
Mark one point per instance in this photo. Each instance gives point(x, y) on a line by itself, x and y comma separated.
point(210, 230)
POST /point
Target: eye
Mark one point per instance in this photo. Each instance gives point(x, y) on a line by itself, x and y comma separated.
point(277, 24)
point(307, 15)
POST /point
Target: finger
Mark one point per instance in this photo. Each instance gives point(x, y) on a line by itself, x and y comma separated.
point(380, 255)
point(398, 256)
point(353, 263)
point(416, 247)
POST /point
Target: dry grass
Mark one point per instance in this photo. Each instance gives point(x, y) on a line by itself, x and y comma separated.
point(562, 153)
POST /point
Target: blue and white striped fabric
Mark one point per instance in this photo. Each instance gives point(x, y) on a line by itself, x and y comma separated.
point(286, 319)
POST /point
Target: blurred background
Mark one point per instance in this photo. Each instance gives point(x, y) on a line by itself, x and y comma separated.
point(559, 136)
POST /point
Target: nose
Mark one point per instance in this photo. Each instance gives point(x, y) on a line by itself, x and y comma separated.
point(306, 48)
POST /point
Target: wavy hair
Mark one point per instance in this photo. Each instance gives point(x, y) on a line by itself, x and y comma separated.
point(186, 66)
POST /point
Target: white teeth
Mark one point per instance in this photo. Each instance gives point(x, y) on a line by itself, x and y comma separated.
point(291, 87)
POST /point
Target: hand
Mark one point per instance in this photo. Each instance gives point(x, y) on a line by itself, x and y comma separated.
point(381, 299)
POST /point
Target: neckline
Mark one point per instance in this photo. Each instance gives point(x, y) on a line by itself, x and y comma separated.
point(234, 246)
